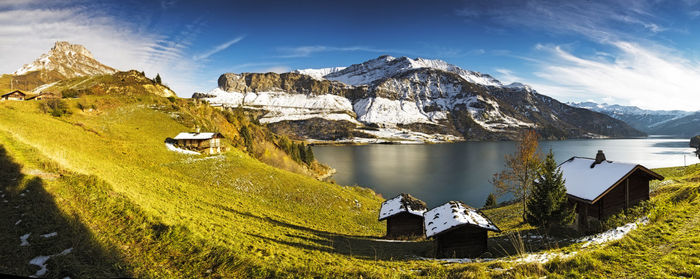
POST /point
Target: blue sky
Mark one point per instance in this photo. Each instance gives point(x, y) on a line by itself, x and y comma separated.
point(643, 53)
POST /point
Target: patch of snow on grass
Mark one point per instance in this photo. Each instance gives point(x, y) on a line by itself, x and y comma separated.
point(23, 239)
point(543, 257)
point(172, 147)
point(49, 235)
point(40, 261)
point(17, 223)
point(613, 234)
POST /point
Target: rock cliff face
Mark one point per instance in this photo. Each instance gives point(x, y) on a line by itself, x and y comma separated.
point(407, 99)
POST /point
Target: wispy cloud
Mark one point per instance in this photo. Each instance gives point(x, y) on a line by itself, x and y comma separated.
point(217, 48)
point(306, 51)
point(638, 75)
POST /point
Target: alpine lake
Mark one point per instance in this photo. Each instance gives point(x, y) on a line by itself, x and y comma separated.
point(437, 173)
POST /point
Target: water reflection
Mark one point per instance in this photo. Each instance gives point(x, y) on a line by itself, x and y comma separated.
point(461, 171)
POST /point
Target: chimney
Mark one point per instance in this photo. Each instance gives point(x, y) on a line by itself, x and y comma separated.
point(599, 158)
point(196, 130)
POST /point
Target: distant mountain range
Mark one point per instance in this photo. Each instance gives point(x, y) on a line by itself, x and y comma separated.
point(657, 122)
point(404, 99)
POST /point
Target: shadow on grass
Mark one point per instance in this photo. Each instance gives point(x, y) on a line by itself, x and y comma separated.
point(28, 211)
point(363, 247)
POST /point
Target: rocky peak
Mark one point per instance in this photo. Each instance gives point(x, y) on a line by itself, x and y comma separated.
point(66, 48)
point(66, 60)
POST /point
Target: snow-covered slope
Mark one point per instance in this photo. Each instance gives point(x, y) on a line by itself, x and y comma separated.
point(318, 73)
point(388, 66)
point(68, 60)
point(403, 98)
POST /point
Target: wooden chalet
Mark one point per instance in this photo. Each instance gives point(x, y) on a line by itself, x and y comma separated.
point(16, 95)
point(209, 143)
point(459, 230)
point(600, 188)
point(45, 96)
point(404, 216)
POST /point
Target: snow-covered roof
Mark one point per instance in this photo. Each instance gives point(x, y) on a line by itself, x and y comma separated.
point(401, 203)
point(454, 214)
point(195, 136)
point(588, 183)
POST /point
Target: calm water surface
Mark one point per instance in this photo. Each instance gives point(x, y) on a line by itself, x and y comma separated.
point(461, 171)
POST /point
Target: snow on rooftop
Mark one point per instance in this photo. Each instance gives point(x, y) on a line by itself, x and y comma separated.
point(195, 136)
point(588, 183)
point(400, 204)
point(453, 214)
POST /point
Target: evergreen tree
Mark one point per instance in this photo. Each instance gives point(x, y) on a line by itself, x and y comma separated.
point(157, 79)
point(547, 205)
point(247, 138)
point(490, 201)
point(309, 155)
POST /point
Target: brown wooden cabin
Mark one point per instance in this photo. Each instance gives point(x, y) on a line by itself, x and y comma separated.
point(459, 230)
point(209, 143)
point(45, 96)
point(600, 188)
point(16, 95)
point(404, 216)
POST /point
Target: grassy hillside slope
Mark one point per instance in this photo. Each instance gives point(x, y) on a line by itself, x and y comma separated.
point(104, 181)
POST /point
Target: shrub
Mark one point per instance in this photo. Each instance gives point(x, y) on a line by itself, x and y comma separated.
point(55, 107)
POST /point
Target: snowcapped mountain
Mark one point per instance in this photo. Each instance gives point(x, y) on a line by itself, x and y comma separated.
point(69, 60)
point(63, 61)
point(387, 66)
point(405, 99)
point(667, 122)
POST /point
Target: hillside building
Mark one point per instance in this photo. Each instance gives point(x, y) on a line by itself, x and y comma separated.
point(600, 188)
point(16, 95)
point(404, 216)
point(45, 96)
point(209, 143)
point(459, 230)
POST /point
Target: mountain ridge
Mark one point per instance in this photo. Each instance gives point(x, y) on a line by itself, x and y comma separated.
point(661, 122)
point(400, 99)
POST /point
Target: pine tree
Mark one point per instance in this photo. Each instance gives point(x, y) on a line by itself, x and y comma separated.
point(547, 205)
point(490, 201)
point(309, 155)
point(247, 138)
point(157, 79)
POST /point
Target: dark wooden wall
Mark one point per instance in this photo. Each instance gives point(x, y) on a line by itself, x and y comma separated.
point(462, 242)
point(404, 225)
point(617, 199)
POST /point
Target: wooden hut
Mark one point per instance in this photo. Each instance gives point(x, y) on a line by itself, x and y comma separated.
point(404, 216)
point(16, 95)
point(45, 96)
point(600, 188)
point(460, 231)
point(202, 142)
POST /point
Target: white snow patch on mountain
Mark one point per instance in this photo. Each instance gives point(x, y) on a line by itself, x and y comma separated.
point(388, 66)
point(318, 73)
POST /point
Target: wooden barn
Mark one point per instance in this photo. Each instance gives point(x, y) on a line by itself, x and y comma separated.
point(404, 216)
point(45, 96)
point(202, 142)
point(600, 188)
point(16, 95)
point(459, 230)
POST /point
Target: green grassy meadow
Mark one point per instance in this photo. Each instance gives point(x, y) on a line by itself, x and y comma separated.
point(104, 181)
